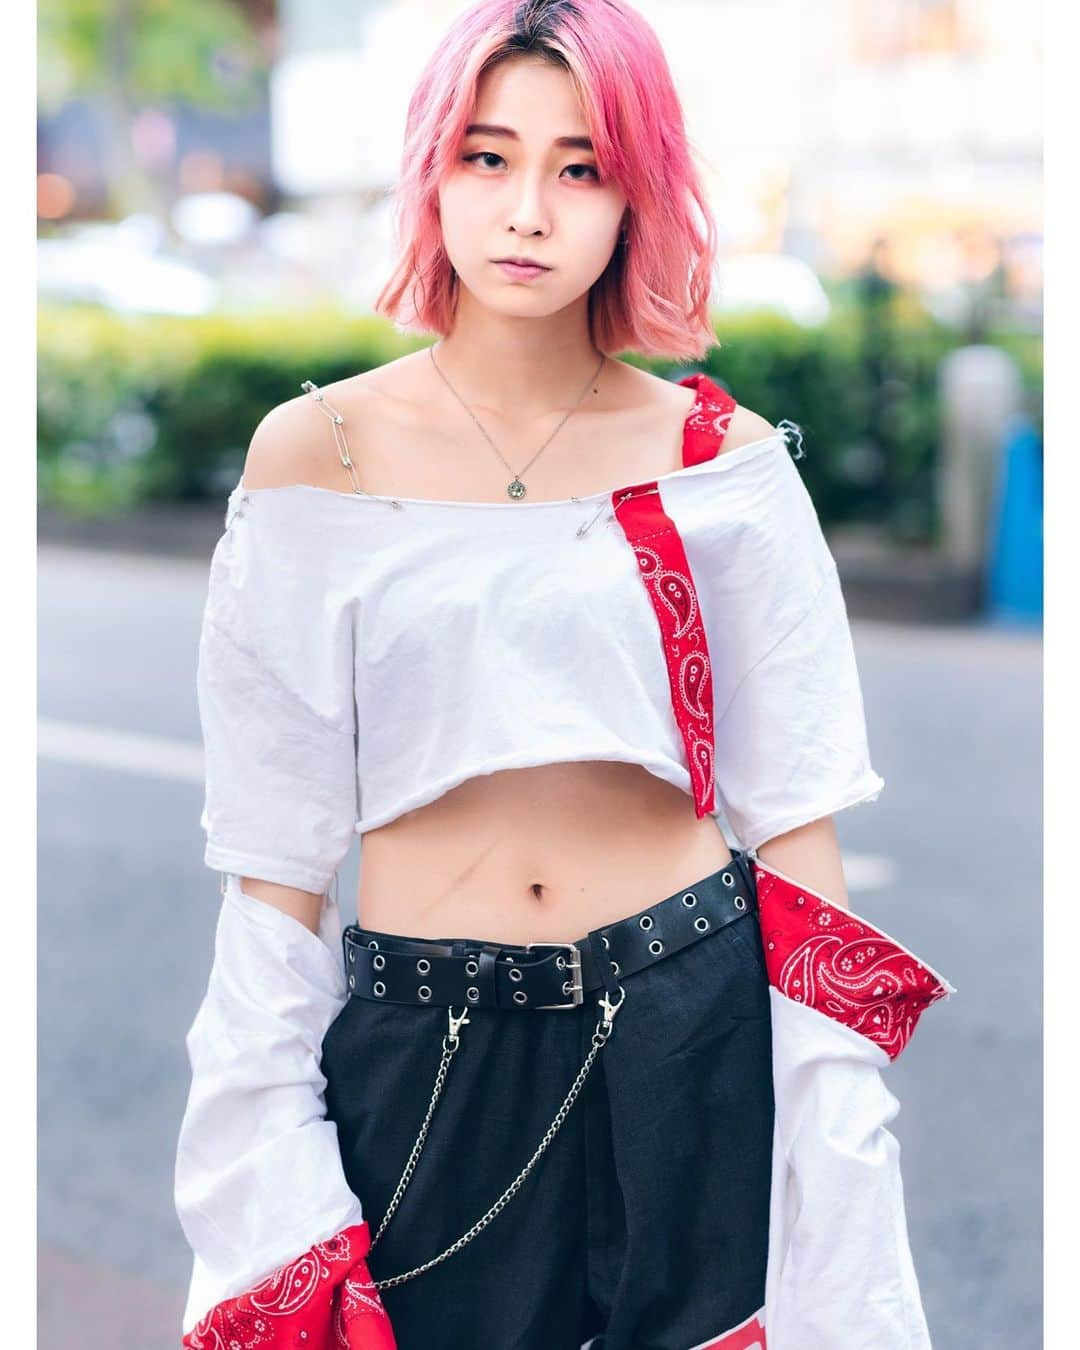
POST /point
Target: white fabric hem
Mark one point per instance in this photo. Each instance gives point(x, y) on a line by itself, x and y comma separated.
point(659, 766)
point(267, 869)
point(869, 790)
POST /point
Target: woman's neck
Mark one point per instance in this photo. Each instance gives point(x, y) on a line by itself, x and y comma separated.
point(524, 366)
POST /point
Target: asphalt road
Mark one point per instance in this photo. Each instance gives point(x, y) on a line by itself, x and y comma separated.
point(948, 861)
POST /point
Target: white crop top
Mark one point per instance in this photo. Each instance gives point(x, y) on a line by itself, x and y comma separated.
point(361, 654)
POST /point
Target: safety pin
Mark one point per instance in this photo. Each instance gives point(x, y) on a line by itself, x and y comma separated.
point(581, 529)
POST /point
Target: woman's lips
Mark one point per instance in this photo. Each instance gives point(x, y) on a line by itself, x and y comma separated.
point(520, 273)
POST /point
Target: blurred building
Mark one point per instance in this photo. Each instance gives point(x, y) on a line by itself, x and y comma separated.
point(921, 122)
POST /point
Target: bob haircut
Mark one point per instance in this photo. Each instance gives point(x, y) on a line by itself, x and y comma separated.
point(653, 295)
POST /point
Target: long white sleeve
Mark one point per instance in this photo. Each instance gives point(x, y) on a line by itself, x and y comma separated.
point(260, 1190)
point(846, 998)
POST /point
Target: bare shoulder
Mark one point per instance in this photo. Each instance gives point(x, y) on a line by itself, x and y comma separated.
point(746, 427)
point(638, 389)
point(295, 443)
point(282, 449)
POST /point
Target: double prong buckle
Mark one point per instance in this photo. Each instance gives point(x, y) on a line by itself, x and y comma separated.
point(576, 990)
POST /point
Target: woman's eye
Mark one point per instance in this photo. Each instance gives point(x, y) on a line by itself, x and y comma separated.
point(490, 154)
point(481, 154)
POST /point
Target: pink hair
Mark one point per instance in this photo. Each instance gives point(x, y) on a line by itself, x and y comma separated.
point(653, 295)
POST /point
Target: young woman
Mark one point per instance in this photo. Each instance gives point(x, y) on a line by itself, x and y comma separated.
point(530, 620)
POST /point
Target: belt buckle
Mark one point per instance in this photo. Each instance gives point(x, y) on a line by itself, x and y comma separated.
point(577, 991)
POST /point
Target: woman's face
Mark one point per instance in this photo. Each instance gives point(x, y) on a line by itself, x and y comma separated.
point(515, 191)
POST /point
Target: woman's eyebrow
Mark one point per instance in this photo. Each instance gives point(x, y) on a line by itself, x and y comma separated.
point(508, 133)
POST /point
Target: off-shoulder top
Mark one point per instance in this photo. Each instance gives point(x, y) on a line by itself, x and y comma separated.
point(361, 654)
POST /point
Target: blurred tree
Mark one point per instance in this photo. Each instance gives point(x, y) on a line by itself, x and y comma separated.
point(875, 292)
point(125, 55)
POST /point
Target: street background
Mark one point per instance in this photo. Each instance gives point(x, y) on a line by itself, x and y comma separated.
point(213, 226)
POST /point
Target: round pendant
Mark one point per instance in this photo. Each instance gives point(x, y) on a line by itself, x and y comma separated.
point(516, 489)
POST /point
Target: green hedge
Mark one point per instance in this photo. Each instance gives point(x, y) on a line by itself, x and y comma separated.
point(154, 409)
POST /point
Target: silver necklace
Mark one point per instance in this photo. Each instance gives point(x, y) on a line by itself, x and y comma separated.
point(515, 489)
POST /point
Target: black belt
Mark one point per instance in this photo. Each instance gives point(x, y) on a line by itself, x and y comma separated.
point(459, 971)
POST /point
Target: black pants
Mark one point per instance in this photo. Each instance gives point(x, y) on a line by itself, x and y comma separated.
point(644, 1224)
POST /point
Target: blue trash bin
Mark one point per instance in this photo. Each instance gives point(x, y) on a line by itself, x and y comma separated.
point(1015, 572)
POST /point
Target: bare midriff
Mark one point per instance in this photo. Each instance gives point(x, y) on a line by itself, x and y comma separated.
point(540, 854)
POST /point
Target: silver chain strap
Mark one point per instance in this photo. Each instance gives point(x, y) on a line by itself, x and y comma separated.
point(450, 1045)
point(337, 426)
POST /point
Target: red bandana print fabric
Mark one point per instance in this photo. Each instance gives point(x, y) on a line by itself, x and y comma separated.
point(750, 1335)
point(652, 534)
point(661, 558)
point(709, 419)
point(323, 1300)
point(825, 957)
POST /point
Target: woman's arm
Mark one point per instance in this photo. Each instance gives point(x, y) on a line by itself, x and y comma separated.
point(278, 1238)
point(846, 998)
point(304, 906)
point(810, 852)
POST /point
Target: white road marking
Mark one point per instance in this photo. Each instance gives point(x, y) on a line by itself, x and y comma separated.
point(130, 751)
point(868, 871)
